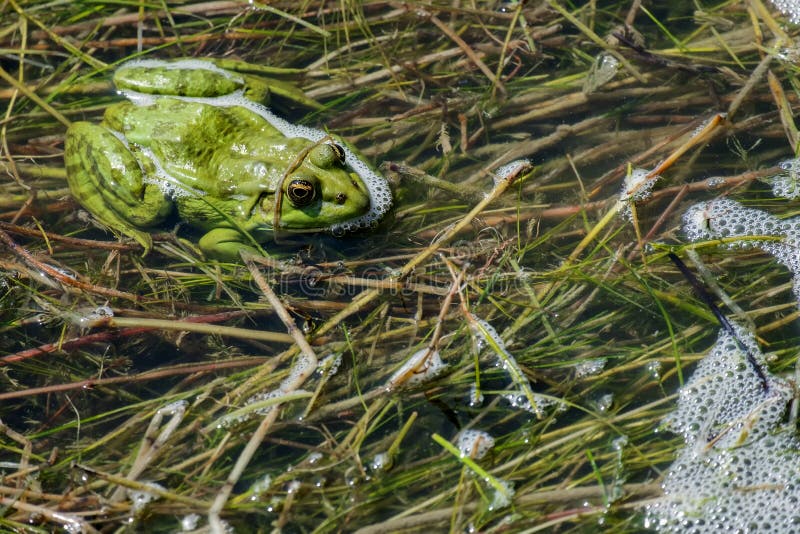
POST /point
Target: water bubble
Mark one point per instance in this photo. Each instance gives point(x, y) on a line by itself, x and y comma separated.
point(589, 367)
point(380, 462)
point(189, 522)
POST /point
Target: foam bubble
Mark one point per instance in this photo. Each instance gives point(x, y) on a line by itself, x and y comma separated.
point(293, 486)
point(260, 487)
point(502, 497)
point(785, 184)
point(603, 70)
point(589, 367)
point(475, 396)
point(522, 396)
point(304, 366)
point(141, 497)
point(190, 522)
point(603, 402)
point(513, 168)
point(380, 462)
point(474, 444)
point(97, 314)
point(724, 390)
point(726, 218)
point(330, 364)
point(697, 131)
point(423, 366)
point(790, 8)
point(738, 470)
point(638, 185)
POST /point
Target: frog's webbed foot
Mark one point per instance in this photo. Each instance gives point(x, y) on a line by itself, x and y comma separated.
point(105, 177)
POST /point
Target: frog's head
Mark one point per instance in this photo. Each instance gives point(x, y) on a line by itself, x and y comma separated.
point(322, 191)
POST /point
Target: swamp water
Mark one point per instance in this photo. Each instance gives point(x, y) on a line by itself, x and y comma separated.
point(516, 367)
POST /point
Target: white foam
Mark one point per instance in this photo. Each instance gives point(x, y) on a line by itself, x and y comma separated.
point(603, 70)
point(790, 8)
point(474, 444)
point(380, 462)
point(502, 497)
point(97, 314)
point(697, 131)
point(739, 469)
point(303, 366)
point(190, 522)
point(330, 364)
point(786, 184)
point(513, 168)
point(141, 497)
point(726, 218)
point(423, 366)
point(589, 367)
point(602, 402)
point(638, 185)
point(260, 486)
point(475, 396)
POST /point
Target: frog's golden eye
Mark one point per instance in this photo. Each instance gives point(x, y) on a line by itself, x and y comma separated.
point(339, 151)
point(327, 155)
point(301, 193)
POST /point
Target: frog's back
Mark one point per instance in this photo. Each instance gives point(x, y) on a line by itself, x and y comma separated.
point(184, 136)
point(171, 121)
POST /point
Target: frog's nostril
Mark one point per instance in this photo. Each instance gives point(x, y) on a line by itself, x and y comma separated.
point(341, 198)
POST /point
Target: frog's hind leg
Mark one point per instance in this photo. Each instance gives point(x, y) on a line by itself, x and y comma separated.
point(105, 177)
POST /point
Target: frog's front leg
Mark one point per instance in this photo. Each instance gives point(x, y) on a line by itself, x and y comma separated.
point(105, 177)
point(227, 244)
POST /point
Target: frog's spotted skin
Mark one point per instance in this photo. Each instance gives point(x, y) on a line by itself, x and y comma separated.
point(184, 139)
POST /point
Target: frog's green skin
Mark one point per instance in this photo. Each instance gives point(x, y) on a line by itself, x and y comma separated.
point(219, 163)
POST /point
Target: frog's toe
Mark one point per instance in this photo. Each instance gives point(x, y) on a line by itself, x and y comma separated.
point(107, 180)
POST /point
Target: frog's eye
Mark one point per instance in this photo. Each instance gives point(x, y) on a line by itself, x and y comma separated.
point(339, 151)
point(301, 192)
point(326, 155)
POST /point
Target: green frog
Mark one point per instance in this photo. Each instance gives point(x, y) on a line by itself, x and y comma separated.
point(194, 138)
